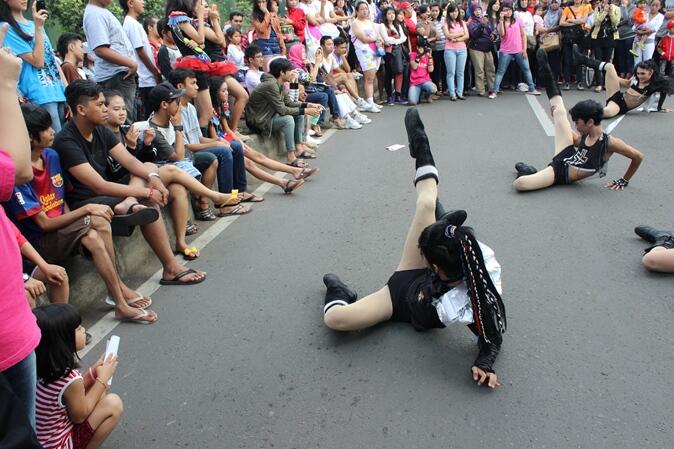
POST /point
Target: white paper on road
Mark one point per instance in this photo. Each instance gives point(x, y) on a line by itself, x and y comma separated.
point(395, 147)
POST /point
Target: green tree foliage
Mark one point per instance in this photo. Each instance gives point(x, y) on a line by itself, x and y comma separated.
point(66, 15)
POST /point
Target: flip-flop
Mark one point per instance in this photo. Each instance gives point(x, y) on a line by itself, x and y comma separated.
point(238, 210)
point(292, 185)
point(138, 319)
point(308, 172)
point(143, 216)
point(176, 279)
point(306, 155)
point(298, 164)
point(252, 199)
point(129, 302)
point(189, 253)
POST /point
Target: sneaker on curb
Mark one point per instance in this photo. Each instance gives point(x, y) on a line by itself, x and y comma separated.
point(566, 86)
point(534, 92)
point(361, 118)
point(370, 108)
point(580, 86)
point(313, 141)
point(522, 87)
point(352, 124)
point(361, 103)
point(492, 95)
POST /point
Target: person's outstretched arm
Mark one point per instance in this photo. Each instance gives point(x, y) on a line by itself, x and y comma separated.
point(13, 133)
point(617, 145)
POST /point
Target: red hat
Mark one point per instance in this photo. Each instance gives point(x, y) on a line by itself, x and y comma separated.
point(670, 25)
point(404, 5)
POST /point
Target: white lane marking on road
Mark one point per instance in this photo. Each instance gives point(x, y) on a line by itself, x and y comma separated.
point(612, 126)
point(541, 115)
point(108, 322)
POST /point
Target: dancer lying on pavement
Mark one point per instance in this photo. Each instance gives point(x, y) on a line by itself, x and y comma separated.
point(578, 155)
point(660, 255)
point(441, 278)
point(646, 81)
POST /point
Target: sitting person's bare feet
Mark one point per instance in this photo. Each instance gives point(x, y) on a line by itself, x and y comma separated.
point(135, 315)
point(183, 276)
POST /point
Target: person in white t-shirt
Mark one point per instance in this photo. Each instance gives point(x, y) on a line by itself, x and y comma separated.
point(255, 62)
point(148, 73)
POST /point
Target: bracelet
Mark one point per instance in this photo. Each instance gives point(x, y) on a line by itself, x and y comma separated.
point(149, 195)
point(155, 174)
point(102, 383)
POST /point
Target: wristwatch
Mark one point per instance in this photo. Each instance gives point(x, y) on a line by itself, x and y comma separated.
point(178, 127)
point(25, 277)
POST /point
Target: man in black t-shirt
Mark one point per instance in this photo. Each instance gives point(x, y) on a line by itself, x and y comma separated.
point(84, 145)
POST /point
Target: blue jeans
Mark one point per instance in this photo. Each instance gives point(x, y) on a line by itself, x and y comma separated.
point(418, 90)
point(503, 63)
point(291, 127)
point(57, 112)
point(22, 377)
point(455, 61)
point(231, 167)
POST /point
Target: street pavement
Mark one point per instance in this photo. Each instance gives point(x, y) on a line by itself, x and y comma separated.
point(244, 360)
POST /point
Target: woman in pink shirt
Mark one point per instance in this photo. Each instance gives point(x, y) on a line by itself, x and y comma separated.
point(456, 33)
point(421, 66)
point(513, 46)
point(19, 333)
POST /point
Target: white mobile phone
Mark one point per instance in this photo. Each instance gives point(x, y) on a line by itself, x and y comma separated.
point(111, 348)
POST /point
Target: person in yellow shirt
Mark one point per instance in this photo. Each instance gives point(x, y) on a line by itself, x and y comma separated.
point(573, 18)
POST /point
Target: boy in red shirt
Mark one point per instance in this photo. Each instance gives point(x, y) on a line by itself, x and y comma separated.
point(39, 211)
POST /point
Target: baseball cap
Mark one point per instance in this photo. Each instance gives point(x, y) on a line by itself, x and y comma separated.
point(163, 92)
point(404, 5)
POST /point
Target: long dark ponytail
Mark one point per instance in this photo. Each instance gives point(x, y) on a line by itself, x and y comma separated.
point(457, 252)
point(7, 16)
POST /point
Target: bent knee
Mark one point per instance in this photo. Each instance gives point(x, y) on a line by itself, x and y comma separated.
point(92, 240)
point(335, 320)
point(655, 261)
point(113, 403)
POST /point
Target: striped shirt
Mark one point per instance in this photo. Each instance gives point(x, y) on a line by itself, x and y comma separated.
point(53, 425)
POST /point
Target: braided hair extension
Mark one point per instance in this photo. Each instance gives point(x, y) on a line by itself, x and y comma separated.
point(457, 252)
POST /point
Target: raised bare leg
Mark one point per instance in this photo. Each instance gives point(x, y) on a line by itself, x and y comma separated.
point(367, 312)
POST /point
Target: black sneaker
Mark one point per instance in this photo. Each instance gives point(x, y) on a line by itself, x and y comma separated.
point(652, 235)
point(455, 217)
point(525, 169)
point(338, 294)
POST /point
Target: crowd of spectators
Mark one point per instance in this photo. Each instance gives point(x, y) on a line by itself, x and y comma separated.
point(130, 117)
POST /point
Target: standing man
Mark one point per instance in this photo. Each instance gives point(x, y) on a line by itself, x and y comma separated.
point(148, 73)
point(115, 65)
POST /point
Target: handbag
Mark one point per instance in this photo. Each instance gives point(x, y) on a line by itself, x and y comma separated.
point(550, 42)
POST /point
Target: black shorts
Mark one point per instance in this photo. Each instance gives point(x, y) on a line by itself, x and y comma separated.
point(619, 99)
point(399, 285)
point(559, 167)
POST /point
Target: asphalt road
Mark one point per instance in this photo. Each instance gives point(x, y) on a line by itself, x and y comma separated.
point(244, 361)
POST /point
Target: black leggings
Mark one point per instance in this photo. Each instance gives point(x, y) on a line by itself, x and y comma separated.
point(388, 74)
point(439, 74)
point(603, 54)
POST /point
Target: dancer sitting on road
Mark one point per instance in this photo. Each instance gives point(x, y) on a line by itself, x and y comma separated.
point(72, 410)
point(660, 255)
point(578, 155)
point(442, 275)
point(646, 81)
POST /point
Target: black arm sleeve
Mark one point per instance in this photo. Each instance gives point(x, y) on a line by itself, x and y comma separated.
point(486, 356)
